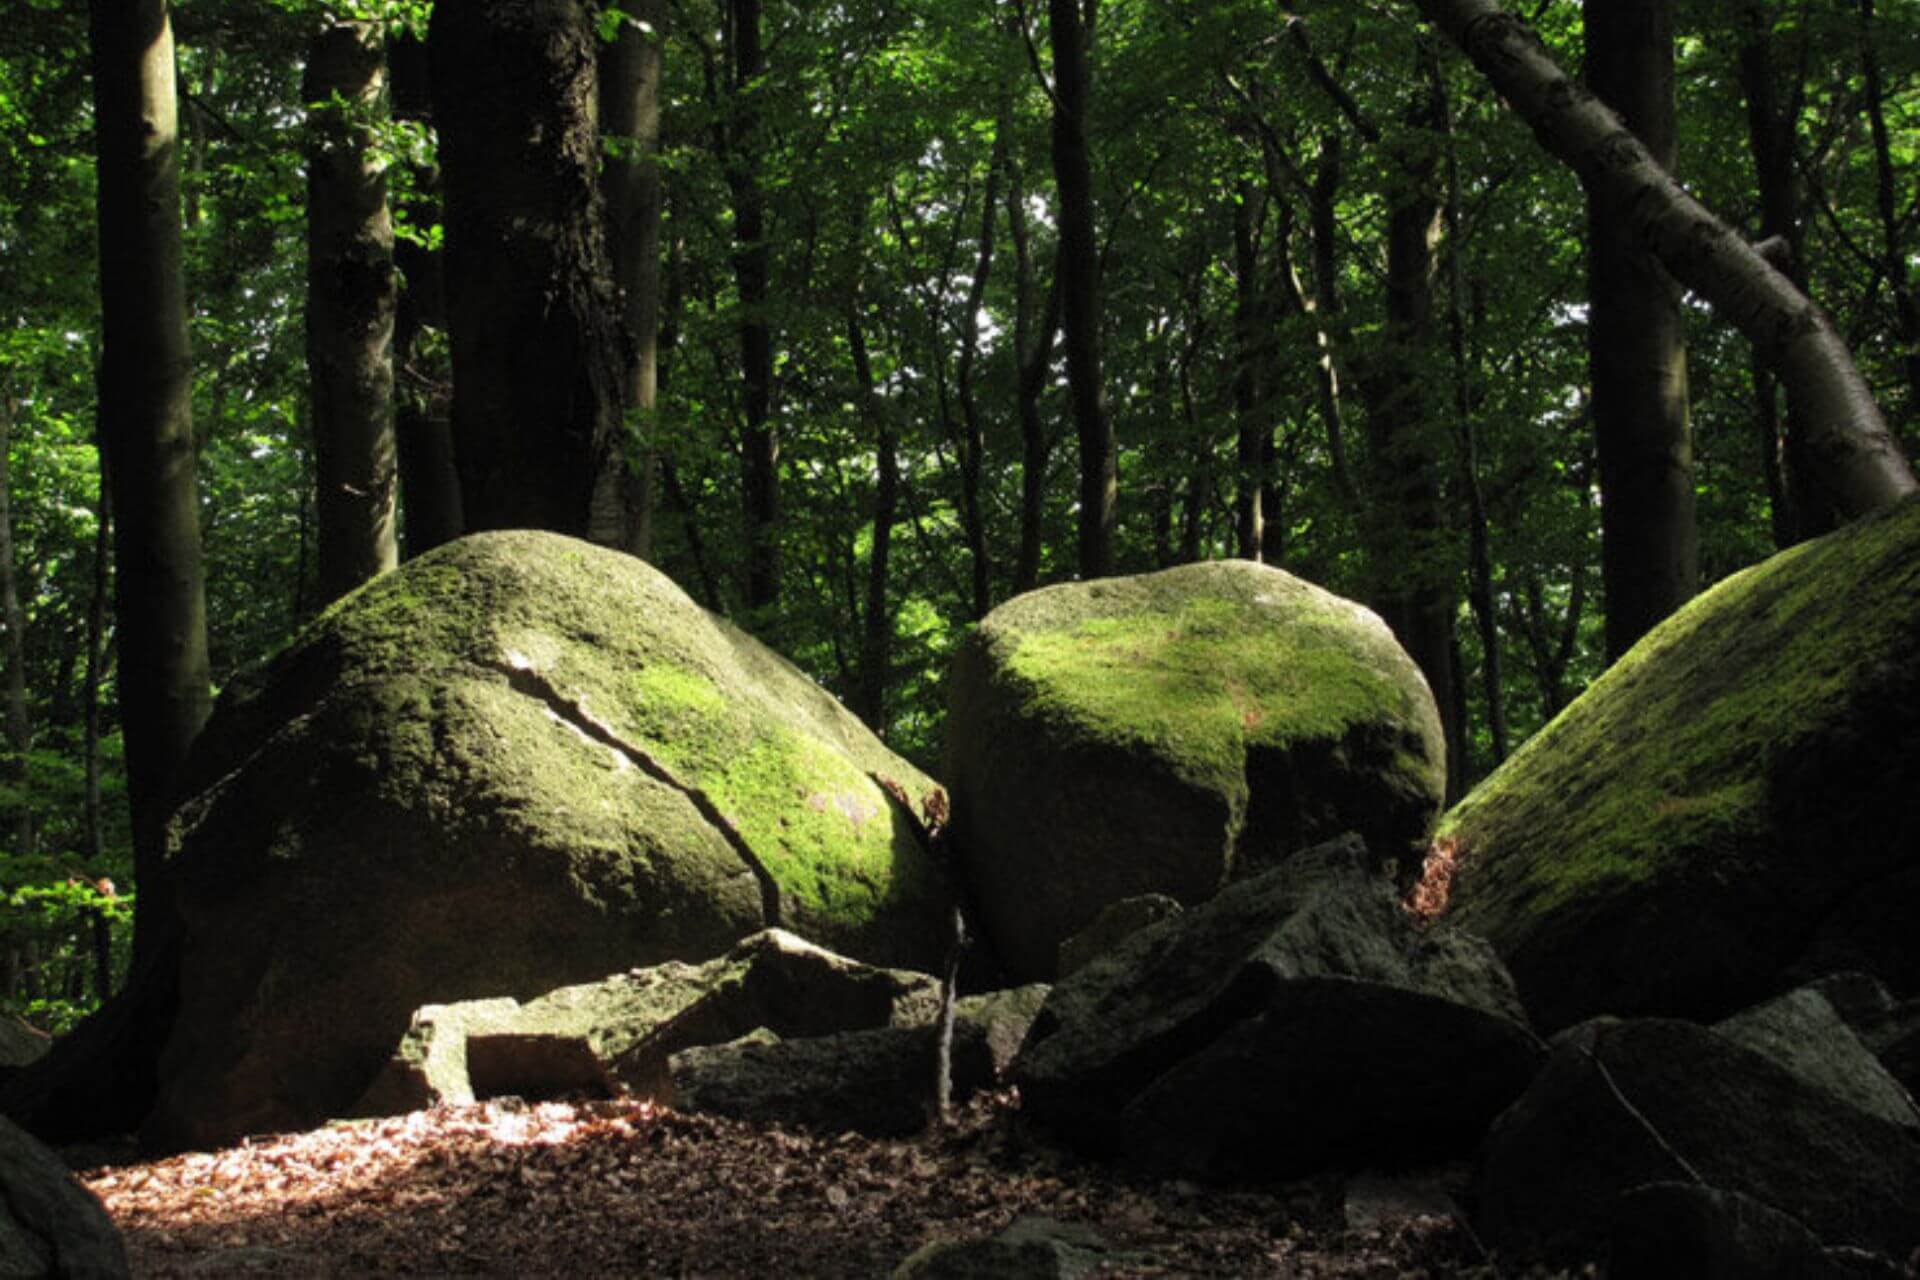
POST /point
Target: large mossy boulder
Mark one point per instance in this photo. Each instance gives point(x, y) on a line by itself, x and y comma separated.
point(1729, 808)
point(517, 763)
point(1168, 733)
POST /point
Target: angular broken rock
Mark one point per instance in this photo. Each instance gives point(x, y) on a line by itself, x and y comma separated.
point(615, 1036)
point(1298, 1021)
point(50, 1225)
point(1624, 1103)
point(1032, 1248)
point(1116, 922)
point(1804, 1032)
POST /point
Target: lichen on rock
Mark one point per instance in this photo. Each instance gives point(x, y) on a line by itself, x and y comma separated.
point(1169, 732)
point(519, 762)
point(1729, 807)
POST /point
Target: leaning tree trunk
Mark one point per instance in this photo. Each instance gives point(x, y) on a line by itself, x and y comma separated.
point(351, 294)
point(146, 431)
point(1636, 344)
point(1853, 459)
point(630, 69)
point(537, 346)
point(1071, 35)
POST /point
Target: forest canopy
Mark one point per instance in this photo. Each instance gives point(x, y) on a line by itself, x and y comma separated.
point(886, 311)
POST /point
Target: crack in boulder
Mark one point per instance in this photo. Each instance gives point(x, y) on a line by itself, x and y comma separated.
point(524, 678)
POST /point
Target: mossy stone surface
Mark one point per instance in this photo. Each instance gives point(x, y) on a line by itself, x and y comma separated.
point(390, 815)
point(1169, 732)
point(1730, 807)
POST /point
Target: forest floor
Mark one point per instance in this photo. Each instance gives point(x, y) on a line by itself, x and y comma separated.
point(625, 1188)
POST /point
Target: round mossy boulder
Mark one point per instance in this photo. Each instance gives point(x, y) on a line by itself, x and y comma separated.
point(517, 763)
point(1729, 808)
point(1166, 733)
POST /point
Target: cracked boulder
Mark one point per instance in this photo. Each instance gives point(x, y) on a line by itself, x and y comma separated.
point(1169, 733)
point(1298, 1022)
point(1729, 809)
point(518, 763)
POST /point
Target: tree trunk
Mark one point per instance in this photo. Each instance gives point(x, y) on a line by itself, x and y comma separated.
point(1770, 131)
point(93, 816)
point(876, 639)
point(350, 309)
point(1412, 563)
point(14, 618)
point(630, 69)
point(973, 446)
point(1250, 453)
point(146, 433)
point(752, 273)
point(1852, 459)
point(1636, 344)
point(1035, 324)
point(537, 348)
point(1070, 32)
point(423, 425)
point(1893, 222)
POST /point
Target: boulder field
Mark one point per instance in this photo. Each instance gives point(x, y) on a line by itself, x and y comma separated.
point(518, 762)
point(1730, 809)
point(1169, 733)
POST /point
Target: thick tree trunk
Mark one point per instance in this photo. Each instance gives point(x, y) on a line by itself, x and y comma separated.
point(146, 432)
point(630, 69)
point(1636, 344)
point(423, 423)
point(1412, 563)
point(752, 273)
point(1852, 459)
point(351, 293)
point(537, 347)
point(1070, 32)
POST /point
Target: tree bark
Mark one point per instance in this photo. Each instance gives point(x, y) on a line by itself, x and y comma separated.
point(1412, 564)
point(973, 444)
point(1250, 452)
point(1636, 344)
point(876, 633)
point(1035, 325)
point(351, 294)
point(1070, 33)
point(1852, 459)
point(1893, 224)
point(423, 424)
point(14, 618)
point(537, 348)
point(146, 433)
point(630, 70)
point(752, 273)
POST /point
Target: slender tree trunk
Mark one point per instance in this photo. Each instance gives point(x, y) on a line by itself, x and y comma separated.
point(537, 347)
point(1250, 452)
point(423, 422)
point(14, 618)
point(876, 639)
point(1070, 32)
point(1853, 460)
point(1636, 345)
point(1035, 324)
point(1770, 131)
point(146, 432)
point(630, 70)
point(752, 273)
point(973, 446)
point(350, 306)
point(1893, 223)
point(93, 816)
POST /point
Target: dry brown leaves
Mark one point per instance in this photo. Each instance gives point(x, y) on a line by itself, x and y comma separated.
point(624, 1188)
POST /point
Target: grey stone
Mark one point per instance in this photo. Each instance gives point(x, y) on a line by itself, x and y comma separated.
point(50, 1225)
point(1032, 1248)
point(1116, 921)
point(1803, 1032)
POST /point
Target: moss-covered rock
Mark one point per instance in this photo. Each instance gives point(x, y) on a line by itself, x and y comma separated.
point(1169, 732)
point(1731, 806)
point(519, 762)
